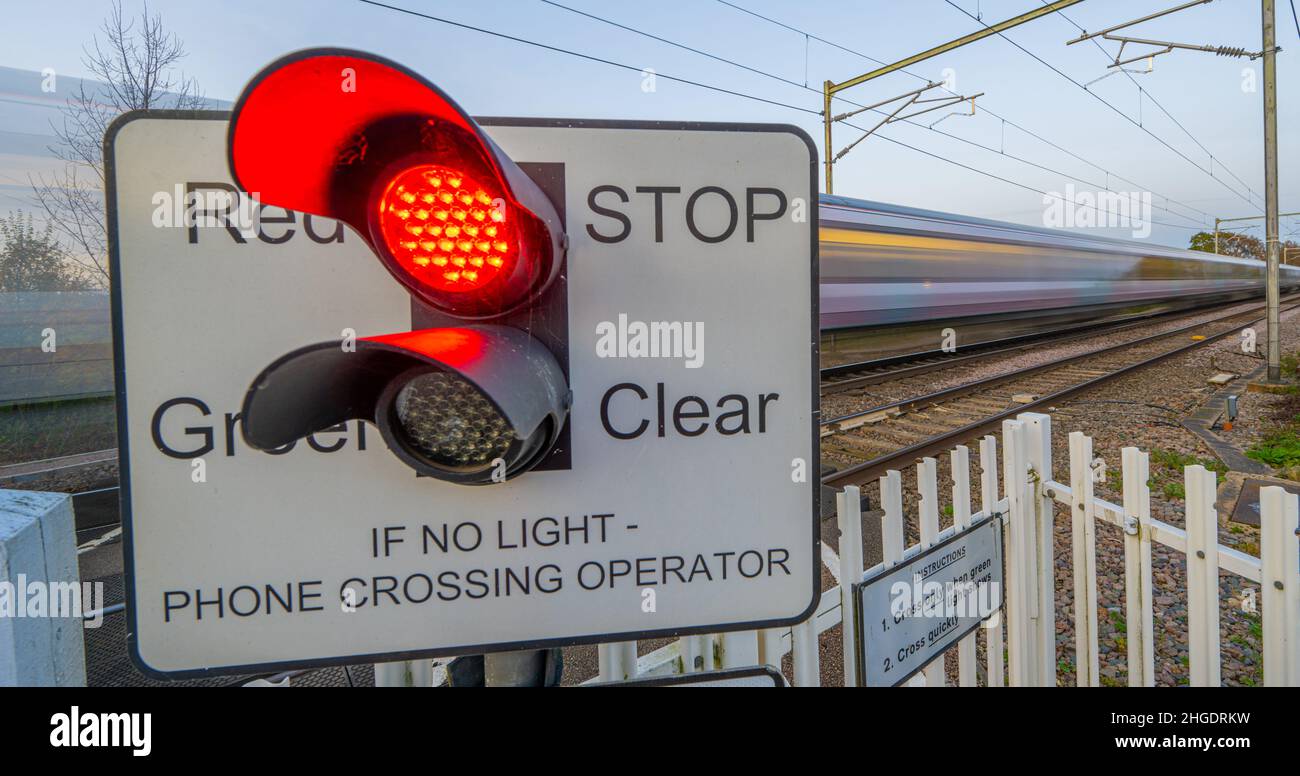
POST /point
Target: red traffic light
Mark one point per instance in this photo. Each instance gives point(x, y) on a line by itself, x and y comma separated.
point(445, 229)
point(363, 140)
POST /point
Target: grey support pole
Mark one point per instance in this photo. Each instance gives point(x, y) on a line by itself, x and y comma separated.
point(1271, 242)
point(404, 673)
point(515, 669)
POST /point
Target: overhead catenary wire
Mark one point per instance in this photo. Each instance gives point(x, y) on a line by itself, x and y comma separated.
point(1000, 151)
point(1012, 182)
point(676, 44)
point(1159, 105)
point(1110, 105)
point(745, 95)
point(781, 79)
point(1144, 92)
point(1109, 173)
point(580, 55)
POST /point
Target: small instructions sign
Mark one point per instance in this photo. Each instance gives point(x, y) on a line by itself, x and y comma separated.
point(911, 613)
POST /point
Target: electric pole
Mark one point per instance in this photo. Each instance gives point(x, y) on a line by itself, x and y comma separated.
point(1268, 53)
point(1271, 242)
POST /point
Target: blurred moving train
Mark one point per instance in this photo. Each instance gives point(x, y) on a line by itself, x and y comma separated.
point(889, 274)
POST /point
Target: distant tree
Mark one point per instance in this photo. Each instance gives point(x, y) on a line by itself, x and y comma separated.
point(33, 260)
point(136, 61)
point(1242, 246)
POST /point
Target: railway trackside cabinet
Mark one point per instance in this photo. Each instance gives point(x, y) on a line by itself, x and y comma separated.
point(396, 382)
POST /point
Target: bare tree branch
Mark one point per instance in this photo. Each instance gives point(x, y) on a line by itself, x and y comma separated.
point(136, 59)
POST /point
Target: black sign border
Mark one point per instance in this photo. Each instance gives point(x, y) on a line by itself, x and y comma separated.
point(123, 440)
point(697, 677)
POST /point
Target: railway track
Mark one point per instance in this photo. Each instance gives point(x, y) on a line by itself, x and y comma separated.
point(19, 472)
point(891, 435)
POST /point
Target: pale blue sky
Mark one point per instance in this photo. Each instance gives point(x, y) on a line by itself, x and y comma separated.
point(230, 40)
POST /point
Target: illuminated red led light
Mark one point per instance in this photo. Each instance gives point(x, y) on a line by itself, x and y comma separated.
point(467, 257)
point(447, 230)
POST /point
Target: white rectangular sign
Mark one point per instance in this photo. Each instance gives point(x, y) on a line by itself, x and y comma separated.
point(913, 612)
point(700, 514)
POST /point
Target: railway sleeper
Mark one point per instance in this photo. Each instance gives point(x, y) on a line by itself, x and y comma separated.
point(863, 420)
point(854, 448)
point(902, 436)
point(931, 426)
point(955, 413)
point(977, 406)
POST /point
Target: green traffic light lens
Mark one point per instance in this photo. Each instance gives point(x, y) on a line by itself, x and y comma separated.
point(450, 422)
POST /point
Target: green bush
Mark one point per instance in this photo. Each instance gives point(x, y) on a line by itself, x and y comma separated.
point(1279, 450)
point(1289, 362)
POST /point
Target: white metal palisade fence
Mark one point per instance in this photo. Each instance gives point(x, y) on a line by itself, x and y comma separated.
point(1027, 621)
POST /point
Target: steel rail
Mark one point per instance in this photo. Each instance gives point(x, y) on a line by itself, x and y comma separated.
point(865, 471)
point(930, 398)
point(30, 469)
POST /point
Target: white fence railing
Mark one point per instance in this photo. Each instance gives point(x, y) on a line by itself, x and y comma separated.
point(1027, 509)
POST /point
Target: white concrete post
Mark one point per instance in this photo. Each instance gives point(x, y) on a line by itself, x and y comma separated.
point(404, 673)
point(1038, 430)
point(1202, 523)
point(1138, 612)
point(1083, 520)
point(891, 523)
point(38, 566)
point(1280, 585)
point(849, 512)
point(995, 663)
point(1020, 531)
point(739, 649)
point(770, 647)
point(686, 648)
point(617, 661)
point(891, 534)
point(804, 654)
point(961, 521)
point(927, 486)
point(705, 647)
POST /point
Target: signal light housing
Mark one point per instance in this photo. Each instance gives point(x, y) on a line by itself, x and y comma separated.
point(360, 139)
point(335, 133)
point(504, 395)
